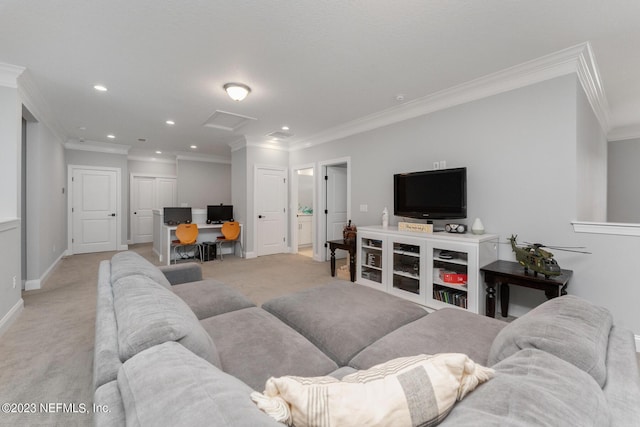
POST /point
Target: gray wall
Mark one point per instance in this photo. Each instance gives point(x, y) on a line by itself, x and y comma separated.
point(624, 176)
point(521, 151)
point(154, 168)
point(203, 183)
point(46, 194)
point(10, 125)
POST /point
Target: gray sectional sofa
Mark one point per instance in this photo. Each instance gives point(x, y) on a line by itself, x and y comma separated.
point(173, 349)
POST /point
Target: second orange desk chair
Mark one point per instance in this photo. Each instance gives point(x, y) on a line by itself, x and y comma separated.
point(230, 233)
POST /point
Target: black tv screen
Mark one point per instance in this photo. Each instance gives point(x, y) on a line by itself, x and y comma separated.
point(435, 194)
point(219, 213)
point(177, 215)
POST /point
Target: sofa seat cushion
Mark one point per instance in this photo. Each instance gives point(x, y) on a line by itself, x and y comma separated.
point(148, 314)
point(448, 330)
point(568, 327)
point(129, 263)
point(209, 298)
point(254, 345)
point(342, 318)
point(530, 388)
point(168, 385)
point(408, 391)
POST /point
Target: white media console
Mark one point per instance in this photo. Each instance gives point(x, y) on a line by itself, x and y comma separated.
point(432, 269)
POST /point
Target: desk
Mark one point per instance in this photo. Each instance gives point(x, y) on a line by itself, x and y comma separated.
point(206, 233)
point(509, 272)
point(349, 246)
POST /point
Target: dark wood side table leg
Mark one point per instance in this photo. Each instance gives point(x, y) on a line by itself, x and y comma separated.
point(352, 265)
point(504, 299)
point(333, 262)
point(490, 302)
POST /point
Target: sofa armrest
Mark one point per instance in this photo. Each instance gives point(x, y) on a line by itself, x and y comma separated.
point(182, 273)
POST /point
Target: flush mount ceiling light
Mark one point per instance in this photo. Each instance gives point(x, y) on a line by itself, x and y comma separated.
point(237, 91)
point(100, 88)
point(111, 136)
point(170, 122)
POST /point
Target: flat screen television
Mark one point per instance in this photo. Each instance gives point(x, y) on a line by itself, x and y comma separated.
point(435, 194)
point(217, 214)
point(177, 216)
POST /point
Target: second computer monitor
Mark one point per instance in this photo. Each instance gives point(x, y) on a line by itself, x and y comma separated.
point(217, 214)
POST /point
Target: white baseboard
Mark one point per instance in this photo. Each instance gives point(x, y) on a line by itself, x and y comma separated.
point(11, 316)
point(31, 285)
point(248, 255)
point(123, 247)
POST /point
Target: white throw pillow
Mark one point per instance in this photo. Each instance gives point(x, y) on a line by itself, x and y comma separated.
point(408, 391)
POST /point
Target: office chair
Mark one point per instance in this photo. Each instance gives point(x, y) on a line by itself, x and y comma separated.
point(230, 233)
point(187, 235)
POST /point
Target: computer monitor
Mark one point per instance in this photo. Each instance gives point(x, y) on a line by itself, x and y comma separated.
point(217, 214)
point(175, 216)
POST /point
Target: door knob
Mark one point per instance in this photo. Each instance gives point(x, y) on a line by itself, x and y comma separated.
point(259, 216)
point(112, 214)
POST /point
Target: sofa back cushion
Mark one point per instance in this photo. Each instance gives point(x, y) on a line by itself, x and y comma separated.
point(128, 263)
point(533, 388)
point(568, 327)
point(149, 314)
point(167, 385)
point(106, 359)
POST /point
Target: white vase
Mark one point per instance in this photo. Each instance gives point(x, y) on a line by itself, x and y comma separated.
point(385, 218)
point(477, 227)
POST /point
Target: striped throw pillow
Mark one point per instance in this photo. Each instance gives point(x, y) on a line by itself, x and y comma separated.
point(408, 391)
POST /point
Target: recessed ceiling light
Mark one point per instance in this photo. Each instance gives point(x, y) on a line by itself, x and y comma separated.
point(110, 136)
point(158, 152)
point(100, 88)
point(194, 147)
point(170, 122)
point(285, 128)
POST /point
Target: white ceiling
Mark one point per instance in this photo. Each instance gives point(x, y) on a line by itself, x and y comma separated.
point(312, 65)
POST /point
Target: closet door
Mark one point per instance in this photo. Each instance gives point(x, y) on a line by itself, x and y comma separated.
point(143, 201)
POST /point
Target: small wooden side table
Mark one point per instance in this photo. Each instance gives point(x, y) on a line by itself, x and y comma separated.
point(349, 246)
point(504, 273)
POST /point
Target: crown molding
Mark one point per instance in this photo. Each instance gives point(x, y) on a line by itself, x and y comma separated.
point(248, 141)
point(203, 158)
point(624, 133)
point(9, 75)
point(98, 147)
point(33, 101)
point(150, 158)
point(577, 59)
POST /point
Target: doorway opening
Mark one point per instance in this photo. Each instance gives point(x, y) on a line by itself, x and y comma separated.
point(303, 212)
point(335, 182)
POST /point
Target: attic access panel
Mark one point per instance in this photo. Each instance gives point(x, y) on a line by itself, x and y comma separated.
point(227, 121)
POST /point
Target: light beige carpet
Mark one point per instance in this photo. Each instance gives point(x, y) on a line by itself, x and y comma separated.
point(46, 356)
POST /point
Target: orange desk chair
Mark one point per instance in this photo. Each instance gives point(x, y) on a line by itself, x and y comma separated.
point(230, 234)
point(187, 235)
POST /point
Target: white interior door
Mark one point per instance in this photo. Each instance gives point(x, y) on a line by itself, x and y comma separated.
point(271, 209)
point(142, 204)
point(336, 204)
point(149, 193)
point(94, 210)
